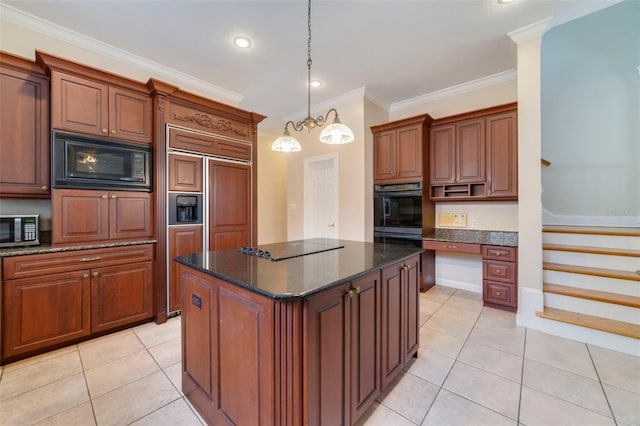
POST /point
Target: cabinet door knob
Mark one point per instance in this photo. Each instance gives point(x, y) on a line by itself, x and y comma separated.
point(44, 187)
point(358, 290)
point(497, 293)
point(350, 293)
point(104, 130)
point(113, 132)
point(497, 271)
point(94, 274)
point(113, 197)
point(104, 196)
point(85, 275)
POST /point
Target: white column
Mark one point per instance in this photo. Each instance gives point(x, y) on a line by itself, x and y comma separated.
point(530, 297)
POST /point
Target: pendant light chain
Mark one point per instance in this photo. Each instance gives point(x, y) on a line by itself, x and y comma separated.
point(309, 61)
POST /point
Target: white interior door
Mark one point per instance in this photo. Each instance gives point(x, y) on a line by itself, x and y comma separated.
point(321, 197)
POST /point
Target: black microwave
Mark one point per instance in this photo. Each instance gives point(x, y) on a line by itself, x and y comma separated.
point(94, 163)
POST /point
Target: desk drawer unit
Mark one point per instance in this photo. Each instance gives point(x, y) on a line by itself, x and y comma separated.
point(500, 277)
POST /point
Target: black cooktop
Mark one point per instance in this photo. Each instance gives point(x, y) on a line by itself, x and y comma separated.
point(288, 250)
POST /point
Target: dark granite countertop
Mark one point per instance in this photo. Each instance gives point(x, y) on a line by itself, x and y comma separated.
point(301, 276)
point(471, 236)
point(48, 248)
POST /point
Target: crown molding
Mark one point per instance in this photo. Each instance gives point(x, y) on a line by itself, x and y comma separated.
point(458, 89)
point(537, 29)
point(185, 81)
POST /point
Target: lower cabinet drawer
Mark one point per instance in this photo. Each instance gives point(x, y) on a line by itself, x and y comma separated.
point(499, 293)
point(499, 271)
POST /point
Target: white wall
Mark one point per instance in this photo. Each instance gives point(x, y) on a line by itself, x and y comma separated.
point(351, 176)
point(591, 118)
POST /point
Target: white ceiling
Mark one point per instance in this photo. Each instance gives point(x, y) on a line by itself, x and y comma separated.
point(397, 50)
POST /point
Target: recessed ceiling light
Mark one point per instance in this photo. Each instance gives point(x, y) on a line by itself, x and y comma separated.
point(316, 83)
point(504, 1)
point(242, 42)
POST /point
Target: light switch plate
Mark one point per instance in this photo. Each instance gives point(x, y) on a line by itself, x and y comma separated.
point(452, 220)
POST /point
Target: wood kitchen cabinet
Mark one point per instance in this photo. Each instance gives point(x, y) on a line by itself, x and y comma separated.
point(229, 205)
point(399, 317)
point(185, 173)
point(344, 323)
point(89, 216)
point(56, 298)
point(500, 277)
point(182, 240)
point(473, 156)
point(24, 129)
point(398, 150)
point(96, 107)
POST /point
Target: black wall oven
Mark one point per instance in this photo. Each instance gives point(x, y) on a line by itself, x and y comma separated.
point(94, 163)
point(397, 216)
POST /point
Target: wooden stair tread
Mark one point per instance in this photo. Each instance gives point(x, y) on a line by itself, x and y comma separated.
point(599, 296)
point(593, 230)
point(588, 270)
point(589, 321)
point(592, 250)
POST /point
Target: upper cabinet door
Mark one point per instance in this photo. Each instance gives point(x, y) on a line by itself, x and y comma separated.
point(409, 152)
point(185, 173)
point(79, 105)
point(502, 155)
point(91, 107)
point(384, 155)
point(443, 154)
point(470, 151)
point(24, 134)
point(130, 115)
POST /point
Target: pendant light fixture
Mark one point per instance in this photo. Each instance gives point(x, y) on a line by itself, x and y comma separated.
point(335, 133)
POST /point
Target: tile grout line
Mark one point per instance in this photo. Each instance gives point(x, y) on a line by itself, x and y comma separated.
point(524, 349)
point(595, 368)
point(84, 375)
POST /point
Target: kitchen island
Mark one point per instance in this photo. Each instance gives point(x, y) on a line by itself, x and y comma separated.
point(303, 332)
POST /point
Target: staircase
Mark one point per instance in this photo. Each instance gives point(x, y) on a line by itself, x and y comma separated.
point(592, 285)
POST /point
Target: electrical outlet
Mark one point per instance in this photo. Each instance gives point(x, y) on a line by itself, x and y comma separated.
point(474, 223)
point(452, 220)
point(496, 225)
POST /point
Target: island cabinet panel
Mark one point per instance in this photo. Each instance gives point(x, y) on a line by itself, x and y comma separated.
point(328, 320)
point(24, 130)
point(41, 312)
point(399, 317)
point(228, 351)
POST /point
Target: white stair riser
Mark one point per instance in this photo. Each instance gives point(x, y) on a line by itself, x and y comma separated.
point(622, 263)
point(593, 308)
point(631, 243)
point(614, 342)
point(611, 285)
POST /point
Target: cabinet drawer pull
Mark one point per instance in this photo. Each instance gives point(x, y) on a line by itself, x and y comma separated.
point(449, 247)
point(499, 253)
point(94, 274)
point(90, 259)
point(497, 293)
point(497, 271)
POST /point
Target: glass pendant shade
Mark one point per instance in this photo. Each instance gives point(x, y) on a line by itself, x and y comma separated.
point(336, 133)
point(286, 143)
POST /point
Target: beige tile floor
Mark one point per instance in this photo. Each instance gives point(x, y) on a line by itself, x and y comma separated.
point(475, 367)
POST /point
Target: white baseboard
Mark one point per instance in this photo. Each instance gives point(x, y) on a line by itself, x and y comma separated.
point(474, 288)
